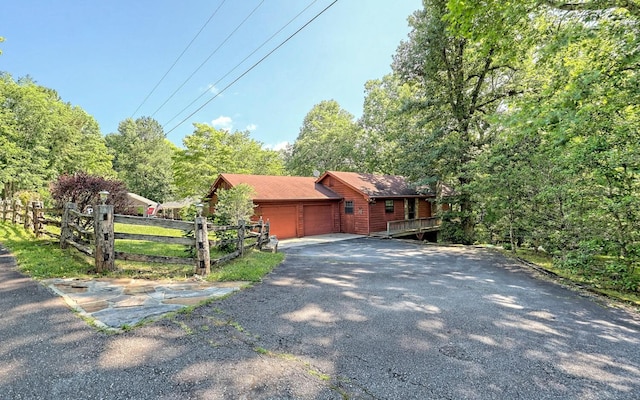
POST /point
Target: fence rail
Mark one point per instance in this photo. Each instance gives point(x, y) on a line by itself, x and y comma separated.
point(93, 234)
point(31, 216)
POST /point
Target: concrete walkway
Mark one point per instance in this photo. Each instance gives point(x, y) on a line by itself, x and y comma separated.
point(117, 303)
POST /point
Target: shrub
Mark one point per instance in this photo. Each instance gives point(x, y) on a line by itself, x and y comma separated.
point(83, 189)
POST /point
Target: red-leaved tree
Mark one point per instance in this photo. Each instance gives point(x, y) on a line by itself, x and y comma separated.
point(83, 189)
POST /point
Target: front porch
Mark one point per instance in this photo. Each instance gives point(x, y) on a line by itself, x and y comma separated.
point(406, 227)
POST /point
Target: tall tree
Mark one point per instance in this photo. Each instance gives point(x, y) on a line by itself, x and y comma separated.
point(383, 124)
point(42, 137)
point(142, 157)
point(586, 115)
point(208, 152)
point(459, 82)
point(327, 141)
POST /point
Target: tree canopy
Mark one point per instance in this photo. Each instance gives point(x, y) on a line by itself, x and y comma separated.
point(209, 152)
point(42, 137)
point(327, 141)
point(142, 158)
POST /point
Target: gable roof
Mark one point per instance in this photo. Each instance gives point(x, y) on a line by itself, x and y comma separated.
point(373, 185)
point(140, 199)
point(268, 187)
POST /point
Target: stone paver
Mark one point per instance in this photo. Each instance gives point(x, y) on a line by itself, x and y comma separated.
point(116, 303)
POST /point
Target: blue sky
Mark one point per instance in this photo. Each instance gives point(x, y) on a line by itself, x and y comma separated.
point(106, 57)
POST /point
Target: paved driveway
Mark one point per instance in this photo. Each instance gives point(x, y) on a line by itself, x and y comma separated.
point(397, 320)
point(360, 319)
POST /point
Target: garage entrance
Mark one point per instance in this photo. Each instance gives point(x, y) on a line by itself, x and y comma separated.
point(318, 220)
point(282, 220)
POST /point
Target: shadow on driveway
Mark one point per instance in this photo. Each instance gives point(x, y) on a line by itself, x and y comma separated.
point(364, 318)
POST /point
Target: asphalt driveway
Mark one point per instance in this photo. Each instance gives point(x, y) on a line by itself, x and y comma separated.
point(365, 319)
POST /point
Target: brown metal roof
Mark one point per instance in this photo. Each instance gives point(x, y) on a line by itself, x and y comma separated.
point(270, 187)
point(373, 185)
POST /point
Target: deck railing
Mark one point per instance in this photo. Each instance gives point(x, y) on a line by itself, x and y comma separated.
point(412, 225)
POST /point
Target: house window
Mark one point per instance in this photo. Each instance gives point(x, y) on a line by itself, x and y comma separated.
point(348, 207)
point(388, 206)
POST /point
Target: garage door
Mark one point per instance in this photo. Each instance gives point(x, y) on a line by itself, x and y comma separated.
point(318, 220)
point(282, 220)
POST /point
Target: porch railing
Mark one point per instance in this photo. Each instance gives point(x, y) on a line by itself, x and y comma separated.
point(412, 225)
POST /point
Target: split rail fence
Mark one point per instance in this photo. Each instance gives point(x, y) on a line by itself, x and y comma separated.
point(94, 235)
point(32, 216)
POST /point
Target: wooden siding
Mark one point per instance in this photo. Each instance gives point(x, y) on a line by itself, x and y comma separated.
point(379, 217)
point(424, 208)
point(358, 222)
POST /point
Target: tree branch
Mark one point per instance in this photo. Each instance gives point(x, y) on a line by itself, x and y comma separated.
point(595, 5)
point(483, 74)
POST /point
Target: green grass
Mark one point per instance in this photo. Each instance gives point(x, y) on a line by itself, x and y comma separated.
point(545, 261)
point(147, 230)
point(42, 258)
point(252, 267)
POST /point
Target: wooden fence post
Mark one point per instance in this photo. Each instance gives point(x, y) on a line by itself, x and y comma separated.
point(66, 233)
point(203, 261)
point(267, 233)
point(14, 209)
point(105, 240)
point(26, 218)
point(241, 237)
point(36, 209)
point(260, 234)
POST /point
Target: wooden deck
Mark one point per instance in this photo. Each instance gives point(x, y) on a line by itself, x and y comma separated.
point(407, 227)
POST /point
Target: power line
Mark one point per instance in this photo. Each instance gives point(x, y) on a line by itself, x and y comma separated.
point(207, 59)
point(253, 66)
point(178, 59)
point(243, 60)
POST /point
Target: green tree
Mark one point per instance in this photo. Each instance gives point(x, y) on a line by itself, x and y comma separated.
point(41, 137)
point(563, 170)
point(586, 112)
point(143, 158)
point(327, 141)
point(209, 152)
point(383, 124)
point(458, 82)
point(235, 204)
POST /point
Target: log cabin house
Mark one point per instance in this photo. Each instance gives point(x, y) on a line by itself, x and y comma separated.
point(346, 202)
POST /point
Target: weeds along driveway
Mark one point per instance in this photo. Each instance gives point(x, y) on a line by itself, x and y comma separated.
point(399, 320)
point(360, 319)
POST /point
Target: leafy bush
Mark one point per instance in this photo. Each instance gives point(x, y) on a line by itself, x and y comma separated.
point(235, 204)
point(607, 272)
point(83, 189)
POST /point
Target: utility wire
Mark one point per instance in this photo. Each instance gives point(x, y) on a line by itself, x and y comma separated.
point(178, 59)
point(207, 59)
point(253, 66)
point(241, 62)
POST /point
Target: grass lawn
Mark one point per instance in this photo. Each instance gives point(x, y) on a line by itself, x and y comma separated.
point(546, 262)
point(42, 258)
